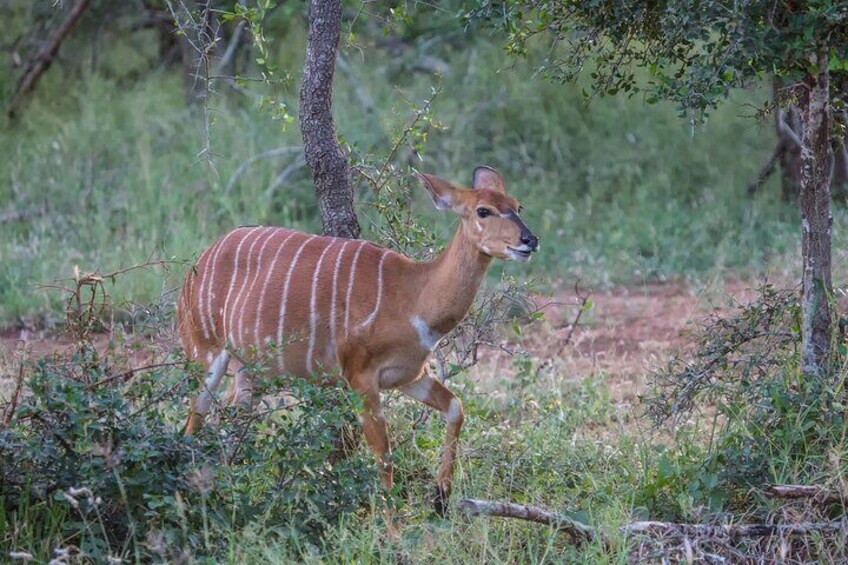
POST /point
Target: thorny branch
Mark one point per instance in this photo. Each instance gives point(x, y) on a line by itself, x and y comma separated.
point(583, 306)
point(87, 298)
point(13, 403)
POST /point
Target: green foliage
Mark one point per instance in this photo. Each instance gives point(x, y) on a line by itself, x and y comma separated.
point(774, 425)
point(91, 462)
point(694, 52)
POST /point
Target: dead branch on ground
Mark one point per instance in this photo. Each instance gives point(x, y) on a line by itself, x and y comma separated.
point(813, 493)
point(476, 507)
point(653, 529)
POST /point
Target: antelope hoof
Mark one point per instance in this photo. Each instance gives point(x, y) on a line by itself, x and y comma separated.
point(440, 501)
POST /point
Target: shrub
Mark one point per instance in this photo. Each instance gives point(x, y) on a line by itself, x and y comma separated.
point(102, 464)
point(773, 424)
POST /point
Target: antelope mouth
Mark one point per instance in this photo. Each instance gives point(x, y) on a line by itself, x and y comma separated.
point(520, 255)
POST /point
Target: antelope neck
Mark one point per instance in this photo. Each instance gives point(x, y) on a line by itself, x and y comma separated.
point(450, 282)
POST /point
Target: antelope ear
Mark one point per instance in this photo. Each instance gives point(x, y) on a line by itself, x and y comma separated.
point(487, 177)
point(441, 191)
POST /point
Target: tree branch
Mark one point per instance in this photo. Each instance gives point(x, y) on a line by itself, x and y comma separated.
point(768, 168)
point(787, 132)
point(45, 57)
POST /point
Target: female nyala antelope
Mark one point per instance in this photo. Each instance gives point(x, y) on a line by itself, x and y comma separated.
point(349, 305)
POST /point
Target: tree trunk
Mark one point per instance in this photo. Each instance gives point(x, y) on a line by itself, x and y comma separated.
point(330, 170)
point(816, 220)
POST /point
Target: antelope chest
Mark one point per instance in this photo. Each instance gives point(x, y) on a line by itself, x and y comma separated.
point(407, 355)
point(428, 338)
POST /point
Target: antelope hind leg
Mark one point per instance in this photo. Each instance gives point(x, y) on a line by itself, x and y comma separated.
point(199, 406)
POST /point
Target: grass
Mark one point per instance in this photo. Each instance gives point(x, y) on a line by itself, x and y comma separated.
point(618, 191)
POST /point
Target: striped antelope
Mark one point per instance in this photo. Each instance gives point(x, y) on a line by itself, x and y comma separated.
point(350, 306)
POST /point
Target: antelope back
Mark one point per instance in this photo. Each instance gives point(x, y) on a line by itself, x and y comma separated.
point(297, 294)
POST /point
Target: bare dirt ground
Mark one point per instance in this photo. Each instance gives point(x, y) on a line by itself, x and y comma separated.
point(630, 331)
point(627, 332)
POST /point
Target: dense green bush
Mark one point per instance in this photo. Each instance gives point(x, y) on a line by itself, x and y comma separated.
point(90, 461)
point(771, 423)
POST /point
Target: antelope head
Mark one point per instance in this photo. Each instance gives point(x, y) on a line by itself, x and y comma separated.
point(490, 217)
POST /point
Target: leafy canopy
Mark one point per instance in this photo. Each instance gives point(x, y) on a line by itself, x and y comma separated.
point(692, 52)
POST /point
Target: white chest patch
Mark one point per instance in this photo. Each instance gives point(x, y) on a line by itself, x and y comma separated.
point(426, 336)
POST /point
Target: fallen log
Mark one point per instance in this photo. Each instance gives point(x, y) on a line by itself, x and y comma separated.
point(475, 507)
point(582, 532)
point(670, 529)
point(815, 493)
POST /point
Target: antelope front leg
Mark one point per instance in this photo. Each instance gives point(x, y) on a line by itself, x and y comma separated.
point(434, 394)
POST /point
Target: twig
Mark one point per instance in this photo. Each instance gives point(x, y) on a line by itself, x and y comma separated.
point(231, 48)
point(255, 417)
point(264, 155)
point(584, 300)
point(13, 403)
point(45, 57)
point(815, 493)
point(130, 373)
point(284, 175)
point(419, 113)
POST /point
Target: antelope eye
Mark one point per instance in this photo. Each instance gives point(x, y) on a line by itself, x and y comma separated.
point(484, 212)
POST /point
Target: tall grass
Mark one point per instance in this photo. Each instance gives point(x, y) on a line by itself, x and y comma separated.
point(618, 191)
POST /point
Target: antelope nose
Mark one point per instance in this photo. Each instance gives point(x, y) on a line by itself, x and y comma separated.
point(530, 240)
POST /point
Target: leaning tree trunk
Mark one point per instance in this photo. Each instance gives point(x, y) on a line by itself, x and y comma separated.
point(330, 170)
point(816, 220)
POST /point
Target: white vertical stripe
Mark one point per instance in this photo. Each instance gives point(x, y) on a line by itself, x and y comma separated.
point(233, 282)
point(197, 296)
point(350, 281)
point(211, 290)
point(259, 310)
point(313, 311)
point(333, 303)
point(285, 299)
point(273, 231)
point(371, 317)
point(212, 382)
point(234, 307)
